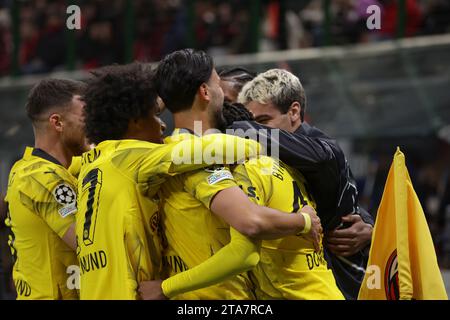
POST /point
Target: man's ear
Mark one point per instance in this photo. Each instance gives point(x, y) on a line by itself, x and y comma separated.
point(55, 121)
point(203, 92)
point(294, 112)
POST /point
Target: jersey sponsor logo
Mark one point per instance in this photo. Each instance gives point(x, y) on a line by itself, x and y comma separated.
point(391, 286)
point(218, 174)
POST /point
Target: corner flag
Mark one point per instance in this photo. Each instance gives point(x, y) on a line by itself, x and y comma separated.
point(402, 249)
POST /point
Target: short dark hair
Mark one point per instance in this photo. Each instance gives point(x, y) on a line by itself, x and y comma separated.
point(235, 112)
point(179, 75)
point(115, 96)
point(50, 93)
point(239, 75)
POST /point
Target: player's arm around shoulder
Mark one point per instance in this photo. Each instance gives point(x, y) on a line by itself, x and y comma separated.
point(212, 149)
point(247, 213)
point(217, 189)
point(265, 223)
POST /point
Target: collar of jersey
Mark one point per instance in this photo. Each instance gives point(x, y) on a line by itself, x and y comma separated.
point(36, 152)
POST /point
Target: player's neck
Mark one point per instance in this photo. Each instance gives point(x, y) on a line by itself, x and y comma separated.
point(194, 121)
point(55, 149)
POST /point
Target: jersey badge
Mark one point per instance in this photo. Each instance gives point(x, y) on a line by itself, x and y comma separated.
point(66, 197)
point(218, 175)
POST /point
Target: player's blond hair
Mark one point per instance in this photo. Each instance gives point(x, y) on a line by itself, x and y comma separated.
point(276, 86)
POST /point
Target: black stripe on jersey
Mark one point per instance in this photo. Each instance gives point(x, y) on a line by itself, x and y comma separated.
point(44, 155)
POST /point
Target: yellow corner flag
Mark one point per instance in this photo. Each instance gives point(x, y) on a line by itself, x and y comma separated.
point(402, 261)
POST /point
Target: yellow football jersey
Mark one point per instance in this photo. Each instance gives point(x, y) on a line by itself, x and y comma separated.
point(41, 199)
point(289, 268)
point(117, 219)
point(75, 166)
point(192, 232)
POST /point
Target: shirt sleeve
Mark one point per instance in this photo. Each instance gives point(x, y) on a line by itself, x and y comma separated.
point(206, 183)
point(240, 255)
point(55, 202)
point(366, 216)
point(296, 150)
point(196, 153)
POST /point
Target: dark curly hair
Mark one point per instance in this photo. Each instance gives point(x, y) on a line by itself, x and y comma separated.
point(235, 112)
point(115, 96)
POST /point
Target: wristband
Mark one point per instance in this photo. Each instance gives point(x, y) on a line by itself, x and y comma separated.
point(307, 226)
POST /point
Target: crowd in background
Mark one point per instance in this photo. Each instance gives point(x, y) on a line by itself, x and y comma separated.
point(220, 27)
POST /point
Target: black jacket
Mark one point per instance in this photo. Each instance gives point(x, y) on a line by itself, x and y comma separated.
point(324, 165)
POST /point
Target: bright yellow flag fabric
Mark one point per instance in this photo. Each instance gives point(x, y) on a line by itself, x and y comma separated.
point(402, 261)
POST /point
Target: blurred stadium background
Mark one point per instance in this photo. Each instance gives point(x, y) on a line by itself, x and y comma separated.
point(371, 89)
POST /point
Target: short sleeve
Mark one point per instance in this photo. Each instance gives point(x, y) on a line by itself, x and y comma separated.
point(55, 202)
point(181, 156)
point(204, 184)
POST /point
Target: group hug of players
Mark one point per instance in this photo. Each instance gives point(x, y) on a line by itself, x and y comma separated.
point(102, 207)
